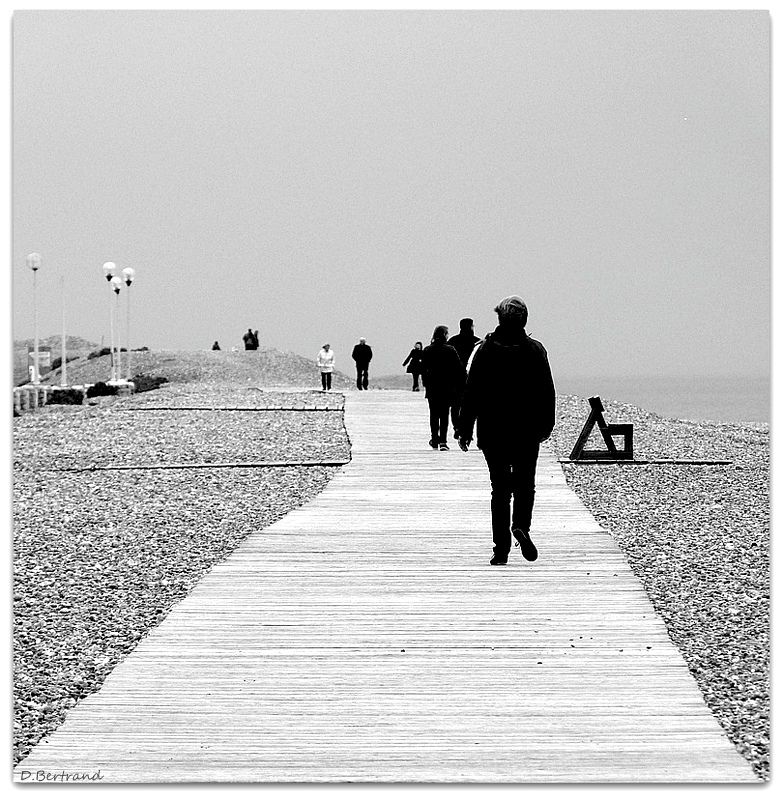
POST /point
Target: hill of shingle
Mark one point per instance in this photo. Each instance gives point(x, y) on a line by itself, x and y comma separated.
point(76, 347)
point(262, 368)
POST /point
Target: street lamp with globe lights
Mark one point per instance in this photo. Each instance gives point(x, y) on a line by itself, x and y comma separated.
point(116, 284)
point(34, 262)
point(129, 274)
point(108, 272)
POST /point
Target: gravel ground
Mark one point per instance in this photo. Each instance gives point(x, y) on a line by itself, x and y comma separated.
point(101, 557)
point(132, 431)
point(698, 539)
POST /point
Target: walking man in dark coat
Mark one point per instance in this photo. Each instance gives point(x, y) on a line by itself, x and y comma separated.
point(444, 379)
point(362, 355)
point(463, 343)
point(510, 396)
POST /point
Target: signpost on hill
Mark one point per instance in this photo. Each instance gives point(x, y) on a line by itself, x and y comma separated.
point(37, 358)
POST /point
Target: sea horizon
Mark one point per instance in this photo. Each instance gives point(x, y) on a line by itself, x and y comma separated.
point(718, 398)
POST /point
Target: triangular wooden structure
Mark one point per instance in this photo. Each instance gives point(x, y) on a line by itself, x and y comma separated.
point(612, 453)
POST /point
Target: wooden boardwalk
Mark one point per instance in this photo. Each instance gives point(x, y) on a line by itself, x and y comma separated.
point(364, 637)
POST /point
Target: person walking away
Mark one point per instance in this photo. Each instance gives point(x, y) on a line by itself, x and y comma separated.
point(444, 379)
point(510, 398)
point(414, 364)
point(463, 343)
point(362, 355)
point(216, 346)
point(250, 340)
point(326, 365)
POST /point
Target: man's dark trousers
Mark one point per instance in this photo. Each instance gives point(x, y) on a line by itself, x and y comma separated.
point(439, 419)
point(513, 476)
point(455, 413)
point(362, 375)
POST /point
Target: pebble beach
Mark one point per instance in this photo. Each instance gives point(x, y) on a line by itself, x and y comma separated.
point(102, 554)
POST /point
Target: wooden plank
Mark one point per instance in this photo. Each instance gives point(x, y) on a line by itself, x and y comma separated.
point(364, 637)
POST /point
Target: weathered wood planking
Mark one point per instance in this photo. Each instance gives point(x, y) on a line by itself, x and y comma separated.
point(364, 637)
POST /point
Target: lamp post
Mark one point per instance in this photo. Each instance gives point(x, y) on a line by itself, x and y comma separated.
point(129, 274)
point(63, 349)
point(34, 262)
point(116, 283)
point(108, 271)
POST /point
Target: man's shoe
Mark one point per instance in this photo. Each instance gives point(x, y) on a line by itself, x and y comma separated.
point(525, 544)
point(433, 445)
point(444, 446)
point(498, 561)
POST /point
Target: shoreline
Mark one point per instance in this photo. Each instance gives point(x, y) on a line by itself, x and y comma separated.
point(125, 552)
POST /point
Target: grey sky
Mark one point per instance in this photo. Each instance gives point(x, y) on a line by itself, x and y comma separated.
point(327, 175)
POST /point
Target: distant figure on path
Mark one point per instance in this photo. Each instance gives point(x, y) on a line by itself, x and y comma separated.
point(510, 395)
point(444, 381)
point(326, 365)
point(414, 367)
point(463, 343)
point(362, 355)
point(251, 340)
point(216, 346)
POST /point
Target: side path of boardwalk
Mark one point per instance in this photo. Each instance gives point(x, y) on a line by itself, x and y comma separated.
point(364, 637)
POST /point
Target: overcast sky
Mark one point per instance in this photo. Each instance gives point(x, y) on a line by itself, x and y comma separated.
point(322, 176)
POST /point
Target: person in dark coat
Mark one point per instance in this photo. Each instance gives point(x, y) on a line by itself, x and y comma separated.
point(463, 343)
point(216, 346)
point(510, 397)
point(251, 340)
point(414, 364)
point(444, 379)
point(362, 355)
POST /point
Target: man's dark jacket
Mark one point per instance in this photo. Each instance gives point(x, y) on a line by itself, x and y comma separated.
point(510, 393)
point(463, 343)
point(362, 355)
point(442, 372)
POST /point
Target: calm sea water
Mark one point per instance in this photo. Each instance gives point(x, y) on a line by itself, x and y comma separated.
point(739, 399)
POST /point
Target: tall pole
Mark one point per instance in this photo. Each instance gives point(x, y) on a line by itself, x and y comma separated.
point(34, 262)
point(116, 283)
point(108, 272)
point(127, 340)
point(63, 361)
point(128, 274)
point(118, 319)
point(36, 368)
point(111, 326)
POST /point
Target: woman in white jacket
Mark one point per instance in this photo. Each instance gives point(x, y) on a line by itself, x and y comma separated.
point(326, 365)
